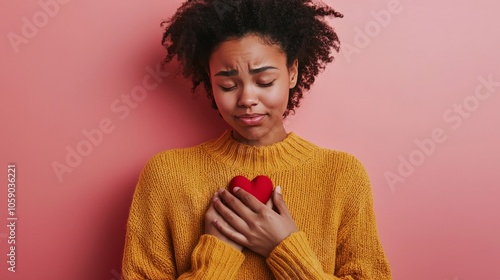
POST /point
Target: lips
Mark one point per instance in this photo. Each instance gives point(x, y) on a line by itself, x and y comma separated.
point(251, 119)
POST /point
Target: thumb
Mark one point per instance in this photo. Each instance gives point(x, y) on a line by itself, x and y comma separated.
point(278, 201)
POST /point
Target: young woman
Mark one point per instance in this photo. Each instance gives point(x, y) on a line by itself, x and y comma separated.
point(254, 58)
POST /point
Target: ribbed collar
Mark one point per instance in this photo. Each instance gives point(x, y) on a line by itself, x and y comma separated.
point(292, 151)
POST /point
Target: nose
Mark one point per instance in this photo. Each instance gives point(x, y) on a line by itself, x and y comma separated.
point(248, 97)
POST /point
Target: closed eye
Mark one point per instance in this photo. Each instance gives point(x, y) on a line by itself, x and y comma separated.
point(228, 88)
point(268, 84)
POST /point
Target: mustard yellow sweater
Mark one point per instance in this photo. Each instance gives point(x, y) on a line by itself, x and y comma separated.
point(327, 192)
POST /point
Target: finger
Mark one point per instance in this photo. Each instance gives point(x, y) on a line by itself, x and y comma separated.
point(239, 202)
point(229, 232)
point(210, 214)
point(230, 216)
point(248, 199)
point(269, 203)
point(279, 203)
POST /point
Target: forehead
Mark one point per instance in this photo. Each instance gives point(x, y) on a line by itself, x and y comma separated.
point(250, 50)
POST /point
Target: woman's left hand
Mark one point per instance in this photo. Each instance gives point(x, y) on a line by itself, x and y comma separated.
point(255, 225)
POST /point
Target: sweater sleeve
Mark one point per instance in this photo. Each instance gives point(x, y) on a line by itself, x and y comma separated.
point(293, 258)
point(359, 253)
point(149, 251)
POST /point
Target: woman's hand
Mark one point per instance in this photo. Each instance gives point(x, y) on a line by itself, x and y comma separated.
point(250, 223)
point(210, 228)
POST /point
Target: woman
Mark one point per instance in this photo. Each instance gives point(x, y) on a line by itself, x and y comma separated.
point(254, 59)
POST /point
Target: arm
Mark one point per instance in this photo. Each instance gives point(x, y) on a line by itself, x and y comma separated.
point(359, 253)
point(149, 251)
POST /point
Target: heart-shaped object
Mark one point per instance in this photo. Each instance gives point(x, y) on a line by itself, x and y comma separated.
point(261, 186)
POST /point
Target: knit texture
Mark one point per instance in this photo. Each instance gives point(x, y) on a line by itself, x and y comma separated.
point(327, 192)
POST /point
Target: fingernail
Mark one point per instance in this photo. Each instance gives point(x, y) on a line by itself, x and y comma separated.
point(278, 189)
point(216, 196)
point(236, 189)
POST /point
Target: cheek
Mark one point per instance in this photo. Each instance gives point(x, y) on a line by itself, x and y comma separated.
point(224, 101)
point(279, 99)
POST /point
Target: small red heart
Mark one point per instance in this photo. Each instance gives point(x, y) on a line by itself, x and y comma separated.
point(261, 186)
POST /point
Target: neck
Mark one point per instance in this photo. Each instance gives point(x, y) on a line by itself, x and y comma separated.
point(270, 138)
point(292, 151)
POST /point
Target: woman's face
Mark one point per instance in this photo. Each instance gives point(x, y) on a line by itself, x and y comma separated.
point(250, 82)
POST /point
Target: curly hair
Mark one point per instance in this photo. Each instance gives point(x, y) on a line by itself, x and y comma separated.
point(298, 27)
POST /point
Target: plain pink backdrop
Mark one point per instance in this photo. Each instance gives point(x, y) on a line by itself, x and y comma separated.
point(405, 69)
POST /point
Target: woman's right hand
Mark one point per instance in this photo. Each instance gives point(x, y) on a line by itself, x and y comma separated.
point(211, 229)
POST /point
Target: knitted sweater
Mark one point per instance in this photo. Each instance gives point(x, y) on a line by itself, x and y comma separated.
point(327, 193)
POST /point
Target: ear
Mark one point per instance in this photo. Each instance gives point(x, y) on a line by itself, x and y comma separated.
point(293, 72)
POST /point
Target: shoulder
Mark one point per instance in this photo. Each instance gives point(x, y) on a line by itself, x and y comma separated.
point(346, 166)
point(165, 170)
point(174, 155)
point(175, 159)
point(343, 167)
point(181, 155)
point(340, 160)
point(171, 161)
point(345, 177)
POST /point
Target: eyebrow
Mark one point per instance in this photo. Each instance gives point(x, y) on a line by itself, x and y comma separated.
point(233, 72)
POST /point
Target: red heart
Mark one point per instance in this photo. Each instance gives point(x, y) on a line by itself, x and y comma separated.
point(261, 187)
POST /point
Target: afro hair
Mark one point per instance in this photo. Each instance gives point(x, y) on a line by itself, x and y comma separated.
point(298, 27)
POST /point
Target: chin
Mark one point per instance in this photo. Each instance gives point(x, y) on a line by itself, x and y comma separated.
point(251, 133)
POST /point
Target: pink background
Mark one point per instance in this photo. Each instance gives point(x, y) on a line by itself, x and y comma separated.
point(396, 84)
